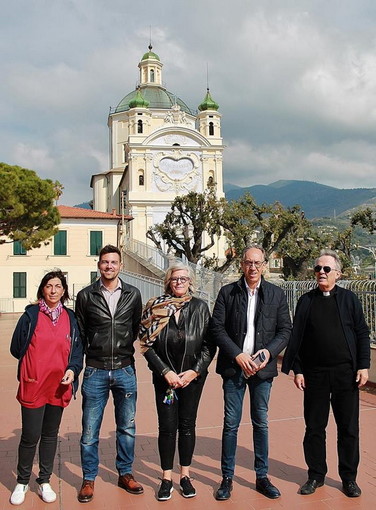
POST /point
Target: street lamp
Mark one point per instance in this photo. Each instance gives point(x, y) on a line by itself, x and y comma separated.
point(371, 249)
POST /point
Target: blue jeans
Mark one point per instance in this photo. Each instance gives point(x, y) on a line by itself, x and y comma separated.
point(234, 390)
point(96, 387)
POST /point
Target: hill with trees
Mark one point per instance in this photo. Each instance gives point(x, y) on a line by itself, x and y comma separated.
point(316, 200)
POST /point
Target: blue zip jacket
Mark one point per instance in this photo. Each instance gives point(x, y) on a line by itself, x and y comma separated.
point(23, 334)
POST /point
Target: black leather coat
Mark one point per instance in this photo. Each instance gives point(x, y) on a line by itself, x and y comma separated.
point(199, 349)
point(108, 341)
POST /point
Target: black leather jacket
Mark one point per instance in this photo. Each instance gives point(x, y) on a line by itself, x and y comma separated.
point(229, 325)
point(199, 349)
point(108, 341)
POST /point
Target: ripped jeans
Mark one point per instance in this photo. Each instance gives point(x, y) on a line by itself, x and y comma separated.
point(96, 386)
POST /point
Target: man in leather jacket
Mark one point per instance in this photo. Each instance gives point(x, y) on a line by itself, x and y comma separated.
point(108, 315)
point(251, 326)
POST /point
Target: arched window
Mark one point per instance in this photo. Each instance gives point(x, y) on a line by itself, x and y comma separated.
point(210, 181)
point(211, 128)
point(139, 126)
point(152, 76)
point(141, 180)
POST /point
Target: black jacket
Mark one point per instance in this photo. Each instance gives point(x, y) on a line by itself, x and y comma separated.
point(108, 341)
point(353, 323)
point(25, 329)
point(229, 325)
point(199, 350)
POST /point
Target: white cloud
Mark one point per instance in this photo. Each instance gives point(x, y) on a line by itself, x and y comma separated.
point(295, 81)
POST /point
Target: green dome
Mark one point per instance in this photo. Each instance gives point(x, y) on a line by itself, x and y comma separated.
point(150, 54)
point(138, 101)
point(208, 103)
point(156, 96)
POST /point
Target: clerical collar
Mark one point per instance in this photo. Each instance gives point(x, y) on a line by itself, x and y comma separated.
point(327, 293)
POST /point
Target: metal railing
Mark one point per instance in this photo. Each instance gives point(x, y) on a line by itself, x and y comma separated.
point(152, 287)
point(208, 282)
point(6, 305)
point(148, 253)
point(364, 289)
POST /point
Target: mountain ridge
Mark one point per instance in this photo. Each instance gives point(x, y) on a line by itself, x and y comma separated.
point(316, 200)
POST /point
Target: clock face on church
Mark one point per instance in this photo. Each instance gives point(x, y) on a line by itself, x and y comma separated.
point(177, 172)
point(176, 169)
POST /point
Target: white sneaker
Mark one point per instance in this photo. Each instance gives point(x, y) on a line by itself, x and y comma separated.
point(18, 495)
point(46, 493)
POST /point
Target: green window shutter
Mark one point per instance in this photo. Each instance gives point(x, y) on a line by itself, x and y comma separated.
point(60, 243)
point(95, 242)
point(18, 249)
point(19, 285)
point(93, 276)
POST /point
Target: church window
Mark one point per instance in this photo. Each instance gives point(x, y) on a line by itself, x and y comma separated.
point(152, 76)
point(141, 180)
point(211, 128)
point(139, 126)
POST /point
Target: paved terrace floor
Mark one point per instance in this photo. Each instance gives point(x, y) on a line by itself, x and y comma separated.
point(287, 467)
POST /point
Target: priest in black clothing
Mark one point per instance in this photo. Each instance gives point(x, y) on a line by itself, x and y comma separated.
point(329, 353)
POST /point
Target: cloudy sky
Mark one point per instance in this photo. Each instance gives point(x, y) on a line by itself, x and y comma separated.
point(295, 81)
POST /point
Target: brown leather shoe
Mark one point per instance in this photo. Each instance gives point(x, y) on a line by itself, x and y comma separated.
point(128, 483)
point(86, 493)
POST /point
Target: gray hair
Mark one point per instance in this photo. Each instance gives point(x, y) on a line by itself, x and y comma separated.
point(254, 246)
point(330, 253)
point(177, 266)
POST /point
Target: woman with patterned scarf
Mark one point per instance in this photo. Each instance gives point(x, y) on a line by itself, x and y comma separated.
point(174, 340)
point(47, 344)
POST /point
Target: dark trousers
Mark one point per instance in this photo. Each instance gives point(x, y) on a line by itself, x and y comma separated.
point(38, 425)
point(179, 416)
point(335, 386)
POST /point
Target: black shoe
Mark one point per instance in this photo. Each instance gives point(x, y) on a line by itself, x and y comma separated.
point(310, 486)
point(265, 487)
point(187, 489)
point(165, 490)
point(351, 489)
point(224, 490)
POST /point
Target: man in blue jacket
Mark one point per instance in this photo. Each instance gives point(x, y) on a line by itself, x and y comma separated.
point(329, 353)
point(251, 326)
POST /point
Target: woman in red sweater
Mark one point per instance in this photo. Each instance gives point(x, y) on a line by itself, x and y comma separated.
point(47, 344)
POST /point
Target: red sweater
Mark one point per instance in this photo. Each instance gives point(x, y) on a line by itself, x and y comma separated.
point(45, 363)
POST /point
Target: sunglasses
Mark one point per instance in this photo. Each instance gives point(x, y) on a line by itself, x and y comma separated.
point(326, 269)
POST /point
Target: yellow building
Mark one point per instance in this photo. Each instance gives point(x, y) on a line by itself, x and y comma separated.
point(159, 149)
point(74, 250)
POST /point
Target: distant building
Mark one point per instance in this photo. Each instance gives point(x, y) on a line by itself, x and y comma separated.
point(74, 250)
point(159, 149)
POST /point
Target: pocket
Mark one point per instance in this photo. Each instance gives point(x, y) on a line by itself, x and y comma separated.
point(89, 371)
point(130, 370)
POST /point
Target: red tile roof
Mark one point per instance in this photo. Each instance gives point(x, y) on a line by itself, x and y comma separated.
point(78, 212)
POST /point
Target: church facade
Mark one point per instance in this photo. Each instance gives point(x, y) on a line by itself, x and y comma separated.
point(159, 149)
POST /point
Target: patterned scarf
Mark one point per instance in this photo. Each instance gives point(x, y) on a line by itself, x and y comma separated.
point(156, 315)
point(52, 313)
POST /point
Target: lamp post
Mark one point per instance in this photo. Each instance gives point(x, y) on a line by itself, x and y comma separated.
point(371, 249)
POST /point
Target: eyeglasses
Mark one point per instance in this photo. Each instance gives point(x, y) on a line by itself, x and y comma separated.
point(250, 263)
point(326, 269)
point(181, 279)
